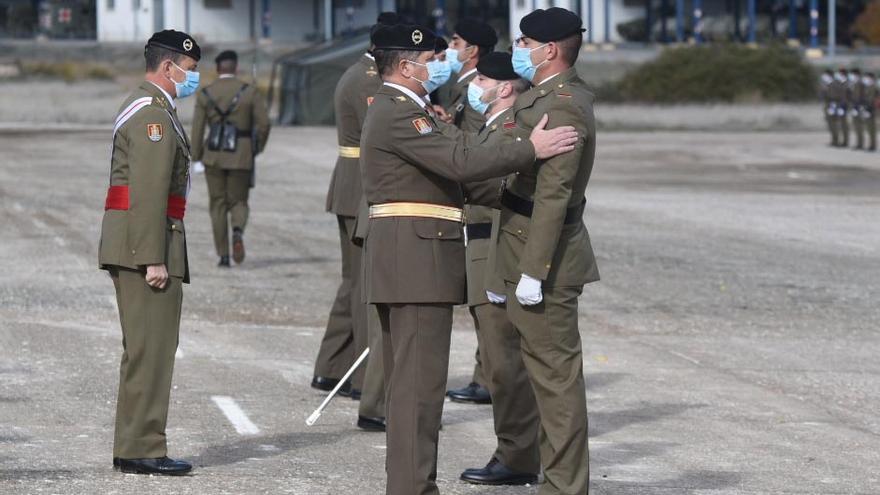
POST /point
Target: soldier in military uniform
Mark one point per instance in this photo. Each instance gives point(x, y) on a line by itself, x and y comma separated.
point(353, 325)
point(868, 109)
point(412, 166)
point(236, 115)
point(829, 106)
point(143, 247)
point(515, 460)
point(839, 93)
point(472, 40)
point(544, 253)
point(854, 93)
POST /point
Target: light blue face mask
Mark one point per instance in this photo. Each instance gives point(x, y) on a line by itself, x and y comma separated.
point(189, 85)
point(438, 74)
point(522, 62)
point(475, 98)
point(454, 63)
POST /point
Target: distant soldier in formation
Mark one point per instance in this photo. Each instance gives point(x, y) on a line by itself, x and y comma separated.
point(353, 325)
point(867, 110)
point(143, 247)
point(412, 166)
point(838, 91)
point(829, 106)
point(854, 98)
point(235, 115)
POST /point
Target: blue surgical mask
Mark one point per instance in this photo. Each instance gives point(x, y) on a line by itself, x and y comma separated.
point(189, 85)
point(522, 62)
point(475, 98)
point(438, 74)
point(454, 63)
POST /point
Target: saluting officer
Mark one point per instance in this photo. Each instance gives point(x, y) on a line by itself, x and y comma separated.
point(515, 460)
point(412, 166)
point(472, 40)
point(235, 114)
point(143, 246)
point(353, 325)
point(544, 252)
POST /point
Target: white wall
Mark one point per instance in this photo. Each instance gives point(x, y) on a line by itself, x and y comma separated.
point(124, 22)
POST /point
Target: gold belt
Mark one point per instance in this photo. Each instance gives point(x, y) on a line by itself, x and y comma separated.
point(349, 152)
point(423, 210)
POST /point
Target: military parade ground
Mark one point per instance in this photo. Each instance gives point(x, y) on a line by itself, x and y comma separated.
point(731, 347)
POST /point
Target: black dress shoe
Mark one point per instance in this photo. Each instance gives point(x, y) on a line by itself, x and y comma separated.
point(496, 473)
point(161, 465)
point(224, 262)
point(327, 384)
point(473, 393)
point(355, 394)
point(371, 424)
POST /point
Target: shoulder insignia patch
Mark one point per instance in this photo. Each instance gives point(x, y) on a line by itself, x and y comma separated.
point(509, 125)
point(369, 100)
point(421, 124)
point(371, 73)
point(564, 95)
point(154, 132)
point(401, 98)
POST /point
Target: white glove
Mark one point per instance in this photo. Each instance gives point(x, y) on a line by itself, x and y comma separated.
point(198, 168)
point(496, 298)
point(528, 291)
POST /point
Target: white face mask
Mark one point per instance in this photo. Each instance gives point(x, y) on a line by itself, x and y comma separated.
point(868, 81)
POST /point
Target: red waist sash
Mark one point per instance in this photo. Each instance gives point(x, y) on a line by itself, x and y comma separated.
point(118, 199)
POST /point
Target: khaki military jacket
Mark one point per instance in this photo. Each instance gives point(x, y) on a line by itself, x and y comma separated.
point(150, 155)
point(249, 115)
point(483, 208)
point(353, 95)
point(408, 156)
point(463, 115)
point(869, 96)
point(543, 246)
point(837, 92)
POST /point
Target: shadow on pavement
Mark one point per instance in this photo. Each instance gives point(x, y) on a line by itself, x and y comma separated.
point(262, 447)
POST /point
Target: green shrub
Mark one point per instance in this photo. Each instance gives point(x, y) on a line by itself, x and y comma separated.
point(722, 73)
point(66, 71)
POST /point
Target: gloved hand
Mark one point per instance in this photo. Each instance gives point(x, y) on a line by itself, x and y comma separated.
point(496, 298)
point(197, 167)
point(528, 291)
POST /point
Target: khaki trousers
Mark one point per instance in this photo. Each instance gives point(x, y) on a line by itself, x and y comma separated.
point(514, 409)
point(416, 340)
point(150, 320)
point(228, 192)
point(553, 357)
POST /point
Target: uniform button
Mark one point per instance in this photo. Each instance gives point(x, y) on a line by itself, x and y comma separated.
point(494, 126)
point(132, 251)
point(518, 139)
point(439, 234)
point(543, 92)
point(519, 231)
point(173, 226)
point(548, 266)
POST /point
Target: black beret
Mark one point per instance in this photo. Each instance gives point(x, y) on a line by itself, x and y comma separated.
point(476, 32)
point(384, 19)
point(226, 55)
point(552, 24)
point(440, 45)
point(408, 37)
point(176, 41)
point(498, 66)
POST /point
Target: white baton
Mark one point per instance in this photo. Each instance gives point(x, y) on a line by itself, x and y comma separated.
point(320, 410)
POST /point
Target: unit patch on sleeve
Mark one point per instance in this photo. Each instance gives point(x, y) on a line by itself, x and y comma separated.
point(154, 132)
point(421, 124)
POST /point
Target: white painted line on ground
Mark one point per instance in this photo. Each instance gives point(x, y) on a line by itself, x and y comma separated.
point(40, 224)
point(235, 415)
point(686, 358)
point(178, 353)
point(17, 206)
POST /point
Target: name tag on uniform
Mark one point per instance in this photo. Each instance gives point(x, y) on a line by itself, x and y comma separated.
point(154, 132)
point(421, 124)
